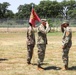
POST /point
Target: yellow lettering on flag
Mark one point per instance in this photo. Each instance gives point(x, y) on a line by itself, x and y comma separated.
point(31, 16)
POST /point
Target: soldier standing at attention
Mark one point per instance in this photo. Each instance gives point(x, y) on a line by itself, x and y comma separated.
point(42, 30)
point(30, 42)
point(66, 42)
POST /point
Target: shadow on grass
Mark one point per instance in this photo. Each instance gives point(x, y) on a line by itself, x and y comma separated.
point(3, 59)
point(52, 67)
point(72, 68)
point(41, 64)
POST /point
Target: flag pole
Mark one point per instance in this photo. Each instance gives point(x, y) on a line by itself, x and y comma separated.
point(33, 50)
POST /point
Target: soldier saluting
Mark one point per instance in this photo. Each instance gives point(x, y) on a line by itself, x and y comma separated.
point(42, 31)
point(66, 42)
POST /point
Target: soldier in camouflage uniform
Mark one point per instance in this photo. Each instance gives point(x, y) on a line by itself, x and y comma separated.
point(42, 31)
point(66, 42)
point(30, 43)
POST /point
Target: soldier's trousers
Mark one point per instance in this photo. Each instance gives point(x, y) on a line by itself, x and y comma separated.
point(30, 52)
point(41, 53)
point(65, 56)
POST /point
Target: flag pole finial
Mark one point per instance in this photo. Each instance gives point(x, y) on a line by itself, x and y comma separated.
point(32, 5)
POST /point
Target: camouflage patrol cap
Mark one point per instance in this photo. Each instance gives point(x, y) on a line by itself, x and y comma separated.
point(66, 21)
point(43, 20)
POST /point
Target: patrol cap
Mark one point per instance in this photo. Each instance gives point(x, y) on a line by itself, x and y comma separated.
point(66, 21)
point(44, 20)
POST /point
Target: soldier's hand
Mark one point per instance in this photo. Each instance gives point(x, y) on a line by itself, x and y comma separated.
point(46, 22)
point(62, 47)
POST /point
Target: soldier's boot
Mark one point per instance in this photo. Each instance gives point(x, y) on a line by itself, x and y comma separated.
point(29, 63)
point(40, 68)
point(65, 67)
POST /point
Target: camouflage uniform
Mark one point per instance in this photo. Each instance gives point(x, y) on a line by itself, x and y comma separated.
point(30, 43)
point(66, 42)
point(41, 43)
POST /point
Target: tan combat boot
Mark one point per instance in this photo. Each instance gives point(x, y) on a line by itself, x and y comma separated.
point(65, 67)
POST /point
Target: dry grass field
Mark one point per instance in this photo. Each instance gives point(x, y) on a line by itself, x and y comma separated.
point(13, 54)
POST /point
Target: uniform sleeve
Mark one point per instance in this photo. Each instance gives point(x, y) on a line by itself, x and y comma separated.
point(67, 37)
point(42, 30)
point(47, 27)
point(28, 33)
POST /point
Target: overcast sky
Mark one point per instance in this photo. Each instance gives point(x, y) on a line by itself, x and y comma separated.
point(15, 3)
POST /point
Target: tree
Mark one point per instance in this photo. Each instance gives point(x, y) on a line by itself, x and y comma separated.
point(9, 14)
point(47, 9)
point(70, 7)
point(24, 10)
point(4, 12)
point(4, 8)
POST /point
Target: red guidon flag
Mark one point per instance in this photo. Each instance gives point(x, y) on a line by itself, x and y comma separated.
point(34, 17)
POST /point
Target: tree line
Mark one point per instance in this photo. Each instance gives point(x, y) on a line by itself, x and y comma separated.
point(45, 9)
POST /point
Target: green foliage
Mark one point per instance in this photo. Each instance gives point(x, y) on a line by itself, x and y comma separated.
point(45, 9)
point(50, 22)
point(4, 12)
point(48, 9)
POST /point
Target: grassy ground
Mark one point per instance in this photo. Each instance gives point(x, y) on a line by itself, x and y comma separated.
point(13, 54)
